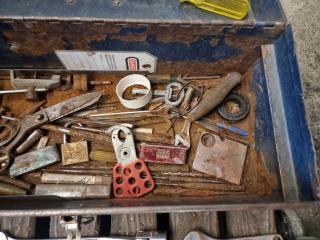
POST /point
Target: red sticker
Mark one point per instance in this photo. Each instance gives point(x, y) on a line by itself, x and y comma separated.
point(132, 64)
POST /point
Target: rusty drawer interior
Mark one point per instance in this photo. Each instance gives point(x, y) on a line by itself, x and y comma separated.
point(279, 168)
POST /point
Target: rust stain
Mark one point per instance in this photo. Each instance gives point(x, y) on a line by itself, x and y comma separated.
point(130, 37)
point(169, 38)
point(256, 180)
point(41, 38)
point(220, 157)
point(245, 42)
point(240, 63)
point(28, 44)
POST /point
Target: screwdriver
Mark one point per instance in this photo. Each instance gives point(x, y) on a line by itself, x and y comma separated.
point(236, 9)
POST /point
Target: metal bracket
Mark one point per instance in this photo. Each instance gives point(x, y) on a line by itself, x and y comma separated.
point(124, 149)
point(21, 83)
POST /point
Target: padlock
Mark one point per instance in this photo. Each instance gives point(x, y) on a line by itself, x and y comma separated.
point(75, 152)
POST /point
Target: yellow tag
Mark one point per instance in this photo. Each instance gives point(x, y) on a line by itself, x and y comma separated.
point(236, 9)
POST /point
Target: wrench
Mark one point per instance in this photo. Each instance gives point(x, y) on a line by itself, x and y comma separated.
point(195, 235)
point(139, 236)
point(184, 136)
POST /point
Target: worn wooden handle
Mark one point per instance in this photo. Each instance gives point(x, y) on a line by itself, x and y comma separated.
point(214, 96)
point(99, 155)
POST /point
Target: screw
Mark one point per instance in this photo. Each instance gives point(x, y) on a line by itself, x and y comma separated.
point(116, 2)
point(70, 2)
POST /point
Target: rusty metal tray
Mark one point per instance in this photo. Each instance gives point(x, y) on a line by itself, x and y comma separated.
point(260, 46)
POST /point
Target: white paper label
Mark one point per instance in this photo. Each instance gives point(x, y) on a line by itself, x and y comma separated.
point(107, 61)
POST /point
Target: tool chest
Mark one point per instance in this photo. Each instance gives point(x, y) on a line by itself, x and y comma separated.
point(264, 158)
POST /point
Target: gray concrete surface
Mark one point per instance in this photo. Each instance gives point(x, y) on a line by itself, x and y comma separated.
point(305, 18)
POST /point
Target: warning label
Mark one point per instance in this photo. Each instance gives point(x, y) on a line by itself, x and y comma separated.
point(107, 61)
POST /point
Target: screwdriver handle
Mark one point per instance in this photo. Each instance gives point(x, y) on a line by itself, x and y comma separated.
point(236, 9)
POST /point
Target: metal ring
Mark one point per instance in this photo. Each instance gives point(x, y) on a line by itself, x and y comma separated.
point(242, 102)
point(131, 80)
point(169, 94)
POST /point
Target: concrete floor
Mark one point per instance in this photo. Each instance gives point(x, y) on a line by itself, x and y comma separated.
point(305, 18)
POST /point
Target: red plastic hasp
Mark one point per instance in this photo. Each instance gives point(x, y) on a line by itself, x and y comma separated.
point(132, 180)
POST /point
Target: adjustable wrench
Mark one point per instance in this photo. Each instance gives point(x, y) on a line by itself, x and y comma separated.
point(184, 136)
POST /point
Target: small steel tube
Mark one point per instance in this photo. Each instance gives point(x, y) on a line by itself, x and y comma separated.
point(74, 190)
point(14, 91)
point(8, 189)
point(30, 141)
point(100, 82)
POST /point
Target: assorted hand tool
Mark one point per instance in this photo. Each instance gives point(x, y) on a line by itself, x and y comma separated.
point(214, 96)
point(93, 146)
point(31, 122)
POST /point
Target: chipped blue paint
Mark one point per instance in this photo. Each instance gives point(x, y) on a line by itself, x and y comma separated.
point(298, 130)
point(127, 30)
point(264, 136)
point(4, 46)
point(200, 50)
point(67, 44)
point(9, 59)
point(252, 31)
point(5, 26)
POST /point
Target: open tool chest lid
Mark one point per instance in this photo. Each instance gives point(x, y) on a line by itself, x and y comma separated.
point(41, 21)
point(263, 13)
